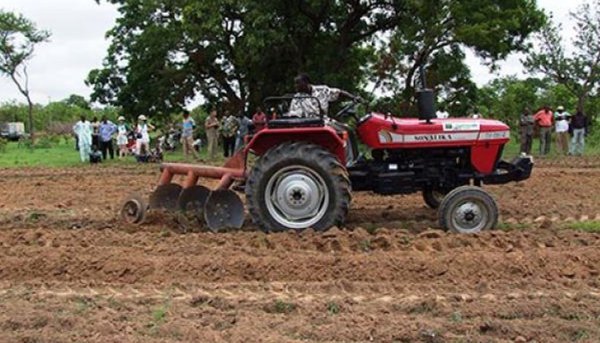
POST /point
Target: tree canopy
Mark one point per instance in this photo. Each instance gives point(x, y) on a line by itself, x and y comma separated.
point(579, 70)
point(165, 52)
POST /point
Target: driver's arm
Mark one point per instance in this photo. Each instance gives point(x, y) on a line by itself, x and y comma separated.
point(335, 93)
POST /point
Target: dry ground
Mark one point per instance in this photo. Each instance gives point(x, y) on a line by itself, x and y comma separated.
point(70, 271)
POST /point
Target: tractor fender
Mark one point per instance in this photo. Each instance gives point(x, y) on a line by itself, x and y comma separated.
point(323, 136)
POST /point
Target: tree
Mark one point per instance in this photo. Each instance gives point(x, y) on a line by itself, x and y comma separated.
point(438, 32)
point(578, 71)
point(78, 101)
point(236, 51)
point(506, 98)
point(18, 37)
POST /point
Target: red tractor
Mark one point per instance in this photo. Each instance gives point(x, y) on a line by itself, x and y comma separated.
point(307, 168)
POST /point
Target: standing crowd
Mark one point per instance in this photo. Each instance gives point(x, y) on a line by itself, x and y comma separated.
point(95, 140)
point(569, 130)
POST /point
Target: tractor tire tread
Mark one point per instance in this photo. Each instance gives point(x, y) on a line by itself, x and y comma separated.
point(305, 152)
point(455, 195)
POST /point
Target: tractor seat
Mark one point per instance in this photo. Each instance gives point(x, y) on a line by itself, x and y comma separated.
point(288, 122)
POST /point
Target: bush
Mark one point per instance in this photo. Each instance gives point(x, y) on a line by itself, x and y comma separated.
point(42, 142)
point(3, 143)
point(60, 129)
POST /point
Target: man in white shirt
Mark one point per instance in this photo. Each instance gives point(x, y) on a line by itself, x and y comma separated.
point(561, 125)
point(83, 130)
point(309, 97)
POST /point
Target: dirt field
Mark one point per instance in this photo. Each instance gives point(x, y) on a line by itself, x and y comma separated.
point(71, 272)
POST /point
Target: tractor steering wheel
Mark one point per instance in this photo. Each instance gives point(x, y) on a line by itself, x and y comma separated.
point(349, 110)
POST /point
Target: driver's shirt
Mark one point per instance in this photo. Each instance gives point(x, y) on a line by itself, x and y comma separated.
point(309, 107)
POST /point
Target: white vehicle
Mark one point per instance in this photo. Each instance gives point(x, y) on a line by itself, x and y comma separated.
point(12, 131)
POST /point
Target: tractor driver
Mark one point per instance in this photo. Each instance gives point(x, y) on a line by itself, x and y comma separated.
point(309, 107)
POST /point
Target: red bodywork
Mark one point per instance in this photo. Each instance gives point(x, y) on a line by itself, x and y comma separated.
point(324, 136)
point(484, 137)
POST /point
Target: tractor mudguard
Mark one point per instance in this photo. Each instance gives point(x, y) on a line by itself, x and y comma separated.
point(323, 136)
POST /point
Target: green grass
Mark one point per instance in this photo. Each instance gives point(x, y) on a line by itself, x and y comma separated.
point(19, 155)
point(587, 226)
point(63, 154)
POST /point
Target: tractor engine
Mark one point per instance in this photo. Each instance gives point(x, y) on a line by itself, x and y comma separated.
point(405, 171)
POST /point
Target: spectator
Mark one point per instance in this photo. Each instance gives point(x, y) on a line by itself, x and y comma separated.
point(561, 125)
point(273, 113)
point(476, 114)
point(526, 123)
point(543, 118)
point(442, 113)
point(229, 129)
point(106, 131)
point(187, 136)
point(243, 130)
point(579, 124)
point(211, 126)
point(122, 131)
point(259, 119)
point(142, 142)
point(95, 128)
point(197, 144)
point(83, 130)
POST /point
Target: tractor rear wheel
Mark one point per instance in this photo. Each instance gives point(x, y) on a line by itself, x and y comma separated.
point(468, 209)
point(298, 186)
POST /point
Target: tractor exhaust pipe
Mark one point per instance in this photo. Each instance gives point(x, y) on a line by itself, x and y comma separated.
point(425, 99)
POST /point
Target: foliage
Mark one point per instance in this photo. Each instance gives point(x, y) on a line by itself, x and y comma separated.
point(18, 37)
point(436, 35)
point(55, 113)
point(200, 115)
point(237, 52)
point(579, 71)
point(505, 98)
point(77, 101)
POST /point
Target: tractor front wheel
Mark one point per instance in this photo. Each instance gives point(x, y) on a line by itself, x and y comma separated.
point(298, 186)
point(433, 197)
point(468, 209)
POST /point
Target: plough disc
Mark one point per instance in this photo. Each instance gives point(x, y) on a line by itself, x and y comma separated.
point(224, 210)
point(134, 209)
point(165, 197)
point(192, 200)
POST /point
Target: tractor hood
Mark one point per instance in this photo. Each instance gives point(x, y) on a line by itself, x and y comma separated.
point(380, 131)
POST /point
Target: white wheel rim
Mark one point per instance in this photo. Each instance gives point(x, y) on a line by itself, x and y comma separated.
point(470, 216)
point(296, 197)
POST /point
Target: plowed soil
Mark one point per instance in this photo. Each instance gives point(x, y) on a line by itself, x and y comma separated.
point(70, 271)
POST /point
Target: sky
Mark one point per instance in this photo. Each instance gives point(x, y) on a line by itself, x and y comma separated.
point(78, 45)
